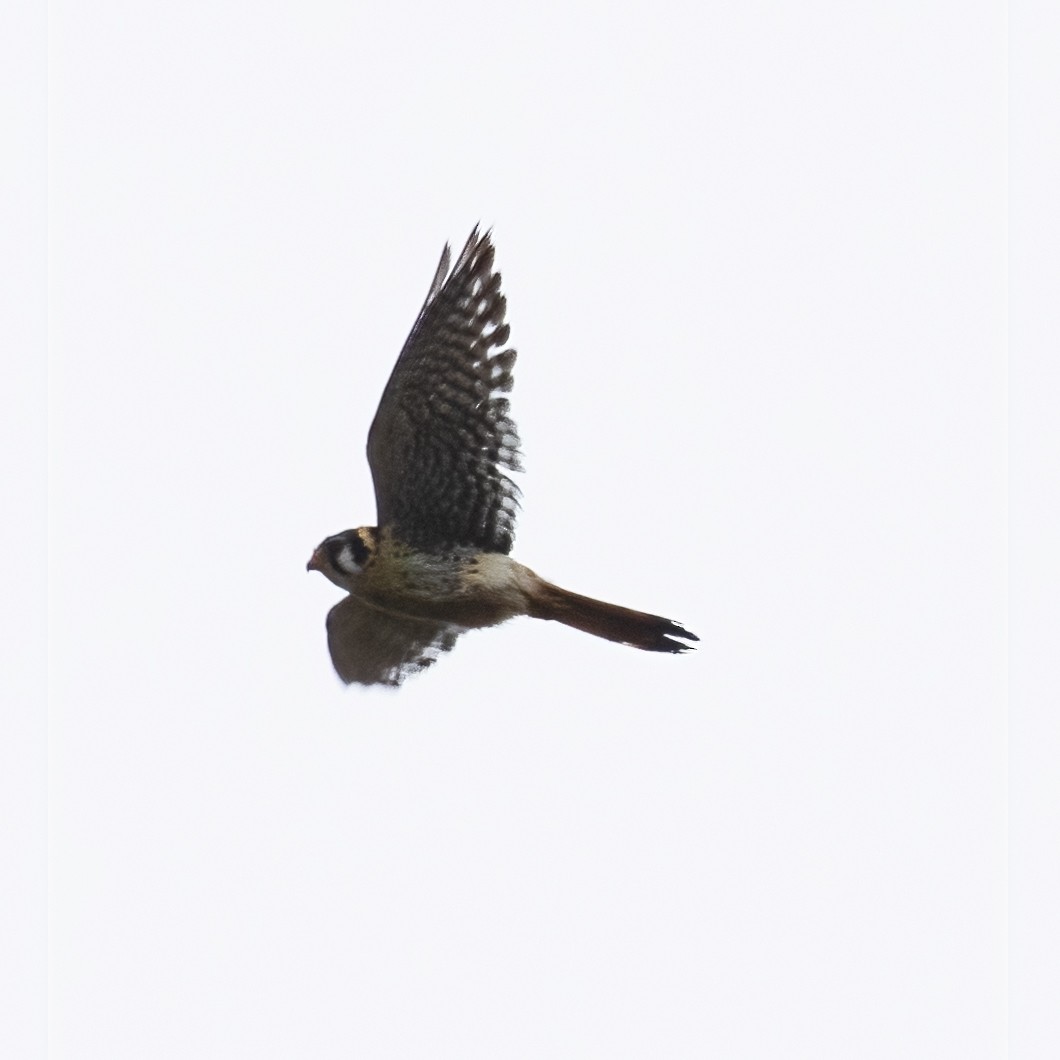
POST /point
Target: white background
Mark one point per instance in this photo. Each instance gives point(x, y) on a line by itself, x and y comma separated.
point(754, 259)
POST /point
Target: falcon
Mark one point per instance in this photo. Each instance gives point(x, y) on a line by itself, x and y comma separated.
point(440, 447)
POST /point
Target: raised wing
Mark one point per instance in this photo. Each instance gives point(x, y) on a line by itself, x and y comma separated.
point(373, 647)
point(442, 436)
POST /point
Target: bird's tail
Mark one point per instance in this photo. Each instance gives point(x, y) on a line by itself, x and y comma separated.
point(636, 628)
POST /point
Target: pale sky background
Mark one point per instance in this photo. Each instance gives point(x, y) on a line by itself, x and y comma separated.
point(755, 264)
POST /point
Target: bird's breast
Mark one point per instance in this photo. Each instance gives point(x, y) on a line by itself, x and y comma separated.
point(463, 587)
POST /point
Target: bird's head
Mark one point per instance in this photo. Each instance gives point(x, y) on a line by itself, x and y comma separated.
point(342, 557)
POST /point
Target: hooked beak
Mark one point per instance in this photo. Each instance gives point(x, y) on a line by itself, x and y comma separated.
point(316, 561)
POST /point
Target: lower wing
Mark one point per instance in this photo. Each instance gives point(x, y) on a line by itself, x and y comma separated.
point(373, 647)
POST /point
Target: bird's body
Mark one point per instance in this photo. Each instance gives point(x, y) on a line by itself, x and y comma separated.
point(438, 562)
point(461, 585)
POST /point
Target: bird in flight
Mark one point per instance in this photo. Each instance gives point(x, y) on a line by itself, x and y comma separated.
point(439, 449)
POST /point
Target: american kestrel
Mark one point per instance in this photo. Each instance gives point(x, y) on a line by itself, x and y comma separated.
point(437, 564)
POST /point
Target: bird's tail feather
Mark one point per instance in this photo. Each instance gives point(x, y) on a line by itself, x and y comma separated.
point(636, 628)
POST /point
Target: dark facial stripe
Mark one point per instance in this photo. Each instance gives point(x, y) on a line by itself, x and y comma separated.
point(360, 550)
